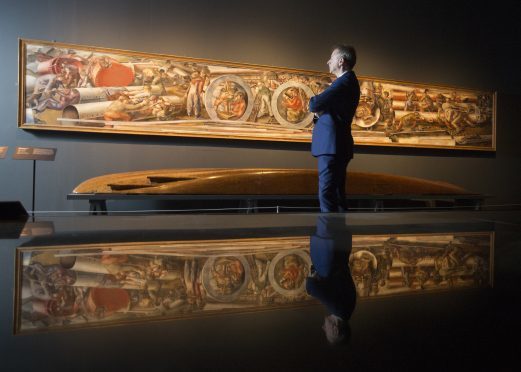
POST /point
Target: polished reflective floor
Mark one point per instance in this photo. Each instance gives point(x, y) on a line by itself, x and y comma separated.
point(363, 291)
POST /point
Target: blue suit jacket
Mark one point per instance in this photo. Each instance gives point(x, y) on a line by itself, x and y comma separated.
point(332, 131)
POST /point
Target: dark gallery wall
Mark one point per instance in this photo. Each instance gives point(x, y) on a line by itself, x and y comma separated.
point(466, 44)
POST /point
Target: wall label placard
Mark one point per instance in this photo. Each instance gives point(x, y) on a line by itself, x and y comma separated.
point(35, 153)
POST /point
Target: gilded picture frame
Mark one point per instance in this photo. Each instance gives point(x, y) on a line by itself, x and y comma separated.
point(68, 87)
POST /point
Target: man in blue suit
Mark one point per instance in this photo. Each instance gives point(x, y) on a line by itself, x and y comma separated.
point(332, 142)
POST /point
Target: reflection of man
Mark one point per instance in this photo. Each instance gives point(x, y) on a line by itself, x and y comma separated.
point(332, 142)
point(330, 281)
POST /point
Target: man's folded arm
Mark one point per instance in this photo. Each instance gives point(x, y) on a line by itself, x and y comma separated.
point(321, 101)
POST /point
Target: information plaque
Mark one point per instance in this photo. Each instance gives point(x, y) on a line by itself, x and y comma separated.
point(34, 153)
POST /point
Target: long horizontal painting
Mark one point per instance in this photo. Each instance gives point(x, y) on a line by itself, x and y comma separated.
point(77, 88)
point(59, 287)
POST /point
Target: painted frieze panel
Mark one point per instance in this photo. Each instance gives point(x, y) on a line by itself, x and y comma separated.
point(77, 88)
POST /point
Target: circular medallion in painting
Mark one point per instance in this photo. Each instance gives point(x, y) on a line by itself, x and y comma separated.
point(363, 263)
point(290, 104)
point(229, 98)
point(366, 115)
point(288, 272)
point(224, 278)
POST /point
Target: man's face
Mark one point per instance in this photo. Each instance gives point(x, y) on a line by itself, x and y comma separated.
point(335, 62)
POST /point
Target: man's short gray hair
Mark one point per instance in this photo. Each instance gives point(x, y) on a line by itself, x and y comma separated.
point(348, 53)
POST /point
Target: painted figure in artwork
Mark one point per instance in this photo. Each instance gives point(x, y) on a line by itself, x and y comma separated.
point(238, 105)
point(439, 100)
point(231, 101)
point(411, 104)
point(69, 76)
point(162, 109)
point(59, 99)
point(456, 114)
point(193, 95)
point(119, 109)
point(385, 104)
point(228, 275)
point(264, 95)
point(426, 103)
point(292, 272)
point(409, 121)
point(43, 86)
point(294, 104)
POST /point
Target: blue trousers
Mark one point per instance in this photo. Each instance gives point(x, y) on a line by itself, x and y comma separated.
point(332, 183)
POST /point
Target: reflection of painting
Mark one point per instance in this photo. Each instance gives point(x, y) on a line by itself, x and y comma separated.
point(70, 87)
point(105, 284)
point(383, 265)
point(288, 272)
point(70, 286)
point(225, 277)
